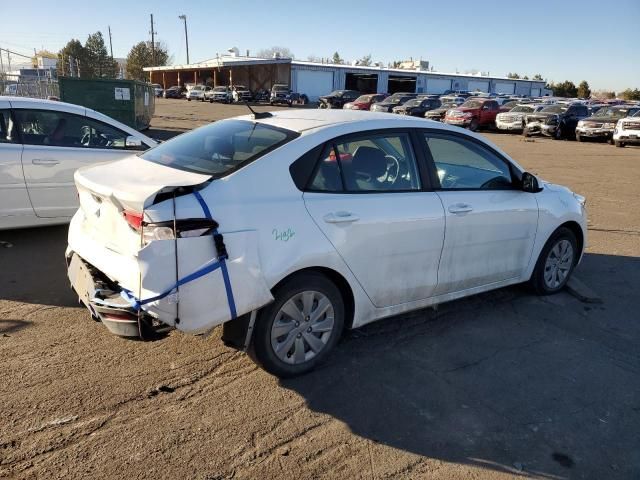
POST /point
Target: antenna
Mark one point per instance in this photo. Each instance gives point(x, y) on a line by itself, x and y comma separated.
point(257, 115)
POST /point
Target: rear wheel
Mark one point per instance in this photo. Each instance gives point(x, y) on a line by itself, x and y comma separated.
point(555, 263)
point(298, 331)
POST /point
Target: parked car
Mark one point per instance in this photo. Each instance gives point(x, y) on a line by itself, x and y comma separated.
point(281, 94)
point(262, 96)
point(157, 89)
point(603, 123)
point(513, 120)
point(627, 131)
point(219, 94)
point(393, 101)
point(174, 92)
point(452, 99)
point(288, 266)
point(364, 102)
point(558, 120)
point(473, 114)
point(198, 92)
point(439, 113)
point(42, 144)
point(417, 107)
point(338, 98)
point(241, 94)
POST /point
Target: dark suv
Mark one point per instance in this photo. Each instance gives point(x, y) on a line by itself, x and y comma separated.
point(393, 101)
point(338, 98)
point(417, 107)
point(557, 121)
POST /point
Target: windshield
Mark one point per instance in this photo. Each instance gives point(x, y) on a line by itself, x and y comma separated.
point(219, 147)
point(280, 88)
point(198, 87)
point(220, 89)
point(522, 109)
point(554, 109)
point(613, 112)
point(413, 103)
point(241, 87)
point(472, 104)
point(363, 99)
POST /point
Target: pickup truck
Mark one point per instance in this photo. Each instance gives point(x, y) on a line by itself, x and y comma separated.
point(473, 114)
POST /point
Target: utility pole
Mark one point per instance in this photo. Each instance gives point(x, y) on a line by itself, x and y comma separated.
point(1, 62)
point(153, 43)
point(186, 35)
point(110, 44)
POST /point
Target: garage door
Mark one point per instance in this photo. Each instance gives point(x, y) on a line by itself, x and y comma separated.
point(535, 92)
point(438, 85)
point(475, 85)
point(505, 87)
point(314, 83)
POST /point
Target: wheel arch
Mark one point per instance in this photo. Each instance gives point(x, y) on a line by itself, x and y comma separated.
point(339, 281)
point(576, 229)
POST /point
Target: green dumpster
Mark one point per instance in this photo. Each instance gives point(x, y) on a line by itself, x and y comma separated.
point(128, 101)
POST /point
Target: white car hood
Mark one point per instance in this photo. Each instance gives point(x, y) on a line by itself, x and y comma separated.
point(133, 182)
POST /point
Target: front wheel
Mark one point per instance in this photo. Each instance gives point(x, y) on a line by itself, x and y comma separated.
point(618, 144)
point(557, 135)
point(299, 329)
point(555, 263)
point(473, 126)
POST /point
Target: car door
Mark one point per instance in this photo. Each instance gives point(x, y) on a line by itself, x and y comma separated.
point(14, 199)
point(368, 198)
point(490, 222)
point(56, 144)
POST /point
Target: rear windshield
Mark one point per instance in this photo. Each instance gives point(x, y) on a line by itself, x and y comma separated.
point(219, 148)
point(522, 109)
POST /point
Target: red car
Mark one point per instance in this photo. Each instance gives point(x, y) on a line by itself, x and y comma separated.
point(364, 102)
point(473, 113)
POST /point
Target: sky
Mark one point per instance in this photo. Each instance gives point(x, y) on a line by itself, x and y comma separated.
point(569, 40)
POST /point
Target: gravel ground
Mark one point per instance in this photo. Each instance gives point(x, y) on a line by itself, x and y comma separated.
point(499, 385)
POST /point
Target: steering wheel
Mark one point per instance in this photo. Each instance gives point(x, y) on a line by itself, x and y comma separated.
point(391, 163)
point(495, 182)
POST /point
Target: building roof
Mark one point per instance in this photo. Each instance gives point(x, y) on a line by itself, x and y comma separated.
point(219, 62)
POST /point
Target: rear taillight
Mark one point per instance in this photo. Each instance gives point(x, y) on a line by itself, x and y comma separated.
point(134, 219)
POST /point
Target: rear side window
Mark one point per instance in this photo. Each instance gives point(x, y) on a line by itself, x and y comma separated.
point(7, 127)
point(370, 163)
point(219, 148)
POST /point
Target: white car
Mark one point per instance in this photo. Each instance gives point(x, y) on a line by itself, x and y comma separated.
point(513, 120)
point(627, 131)
point(42, 143)
point(197, 92)
point(291, 226)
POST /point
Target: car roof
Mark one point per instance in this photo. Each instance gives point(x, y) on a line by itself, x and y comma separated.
point(302, 120)
point(27, 102)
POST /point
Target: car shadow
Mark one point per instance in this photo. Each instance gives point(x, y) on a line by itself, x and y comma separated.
point(504, 381)
point(33, 266)
point(11, 326)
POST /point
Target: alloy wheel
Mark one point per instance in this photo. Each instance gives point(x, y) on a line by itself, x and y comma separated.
point(302, 327)
point(558, 264)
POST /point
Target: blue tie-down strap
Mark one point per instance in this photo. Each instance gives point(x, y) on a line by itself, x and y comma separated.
point(220, 263)
point(222, 256)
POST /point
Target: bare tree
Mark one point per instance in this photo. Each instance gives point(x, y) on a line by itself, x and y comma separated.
point(282, 52)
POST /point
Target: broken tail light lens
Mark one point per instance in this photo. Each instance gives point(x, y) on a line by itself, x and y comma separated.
point(134, 219)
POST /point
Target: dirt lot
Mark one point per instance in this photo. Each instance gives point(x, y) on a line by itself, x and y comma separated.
point(495, 386)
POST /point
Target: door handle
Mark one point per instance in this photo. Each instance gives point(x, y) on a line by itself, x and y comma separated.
point(460, 208)
point(340, 217)
point(45, 161)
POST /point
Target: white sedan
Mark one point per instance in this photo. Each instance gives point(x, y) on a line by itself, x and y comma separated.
point(42, 144)
point(291, 226)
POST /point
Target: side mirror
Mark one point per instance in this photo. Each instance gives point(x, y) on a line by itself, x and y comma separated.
point(133, 143)
point(530, 183)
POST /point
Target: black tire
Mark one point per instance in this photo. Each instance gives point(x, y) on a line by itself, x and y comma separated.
point(473, 126)
point(537, 280)
point(211, 100)
point(188, 99)
point(618, 144)
point(610, 141)
point(262, 350)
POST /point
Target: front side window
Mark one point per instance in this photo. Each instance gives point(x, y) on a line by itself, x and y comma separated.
point(465, 165)
point(7, 127)
point(371, 163)
point(61, 129)
point(220, 147)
